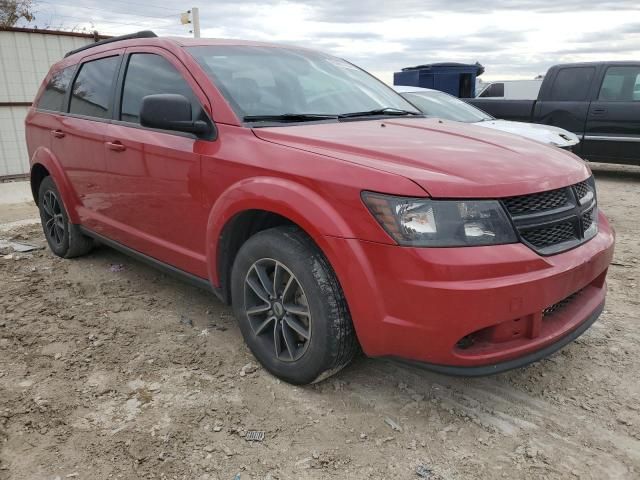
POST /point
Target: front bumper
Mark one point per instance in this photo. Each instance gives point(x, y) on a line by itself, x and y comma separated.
point(481, 308)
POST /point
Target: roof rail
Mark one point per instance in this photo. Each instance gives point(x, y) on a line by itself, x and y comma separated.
point(142, 34)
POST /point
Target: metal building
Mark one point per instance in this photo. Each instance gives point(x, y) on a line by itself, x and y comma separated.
point(25, 58)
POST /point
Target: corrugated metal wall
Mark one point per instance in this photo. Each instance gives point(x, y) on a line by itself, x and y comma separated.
point(25, 59)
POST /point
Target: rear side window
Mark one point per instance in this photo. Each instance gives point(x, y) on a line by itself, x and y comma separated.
point(572, 84)
point(53, 96)
point(150, 74)
point(493, 90)
point(621, 84)
point(92, 88)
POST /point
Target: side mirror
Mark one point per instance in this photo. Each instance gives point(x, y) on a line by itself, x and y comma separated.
point(168, 111)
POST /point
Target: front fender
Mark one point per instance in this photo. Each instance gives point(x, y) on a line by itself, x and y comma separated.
point(45, 157)
point(296, 202)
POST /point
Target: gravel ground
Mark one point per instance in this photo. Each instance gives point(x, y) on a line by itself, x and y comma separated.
point(109, 369)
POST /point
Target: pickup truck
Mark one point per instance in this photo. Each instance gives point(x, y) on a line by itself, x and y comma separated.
point(598, 101)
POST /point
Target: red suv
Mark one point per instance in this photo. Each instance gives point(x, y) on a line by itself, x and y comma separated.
point(322, 205)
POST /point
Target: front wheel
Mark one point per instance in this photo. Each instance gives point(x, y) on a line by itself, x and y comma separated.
point(290, 307)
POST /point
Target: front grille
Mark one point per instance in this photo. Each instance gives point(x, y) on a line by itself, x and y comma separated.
point(536, 202)
point(557, 220)
point(556, 307)
point(587, 219)
point(545, 237)
point(582, 189)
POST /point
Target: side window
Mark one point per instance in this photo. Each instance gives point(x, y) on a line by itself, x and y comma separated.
point(53, 96)
point(91, 91)
point(164, 77)
point(621, 84)
point(572, 84)
point(493, 90)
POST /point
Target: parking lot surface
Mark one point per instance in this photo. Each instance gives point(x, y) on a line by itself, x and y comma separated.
point(110, 369)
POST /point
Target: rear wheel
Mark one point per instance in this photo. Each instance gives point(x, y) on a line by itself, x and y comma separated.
point(64, 238)
point(290, 307)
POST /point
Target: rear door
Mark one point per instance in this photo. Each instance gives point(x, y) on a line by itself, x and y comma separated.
point(43, 119)
point(154, 203)
point(567, 103)
point(613, 126)
point(78, 136)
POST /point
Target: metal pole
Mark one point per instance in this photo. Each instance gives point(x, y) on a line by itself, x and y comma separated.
point(195, 15)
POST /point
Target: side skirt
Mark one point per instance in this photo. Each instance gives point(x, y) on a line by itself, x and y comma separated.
point(199, 282)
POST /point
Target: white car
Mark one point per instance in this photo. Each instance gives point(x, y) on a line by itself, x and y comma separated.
point(435, 103)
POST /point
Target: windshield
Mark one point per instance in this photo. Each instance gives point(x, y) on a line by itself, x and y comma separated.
point(261, 81)
point(442, 105)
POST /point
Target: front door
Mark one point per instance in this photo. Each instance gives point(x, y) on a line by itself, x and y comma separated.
point(155, 201)
point(613, 124)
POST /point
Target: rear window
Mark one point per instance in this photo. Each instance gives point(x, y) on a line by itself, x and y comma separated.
point(572, 84)
point(621, 84)
point(54, 93)
point(92, 88)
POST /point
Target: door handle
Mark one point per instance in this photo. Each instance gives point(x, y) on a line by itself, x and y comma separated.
point(598, 111)
point(57, 133)
point(116, 146)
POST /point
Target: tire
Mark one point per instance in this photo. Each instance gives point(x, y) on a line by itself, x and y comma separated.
point(64, 238)
point(302, 334)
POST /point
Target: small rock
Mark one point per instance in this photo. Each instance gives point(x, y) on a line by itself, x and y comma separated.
point(423, 471)
point(217, 428)
point(393, 424)
point(248, 368)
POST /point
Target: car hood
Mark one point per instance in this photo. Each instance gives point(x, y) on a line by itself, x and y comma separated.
point(447, 159)
point(558, 137)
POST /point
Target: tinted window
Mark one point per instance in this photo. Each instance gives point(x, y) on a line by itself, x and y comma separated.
point(91, 93)
point(621, 84)
point(53, 96)
point(572, 84)
point(166, 79)
point(493, 90)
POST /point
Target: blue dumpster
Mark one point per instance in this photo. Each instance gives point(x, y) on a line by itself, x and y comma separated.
point(457, 79)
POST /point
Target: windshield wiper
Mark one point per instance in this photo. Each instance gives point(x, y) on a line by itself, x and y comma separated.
point(380, 111)
point(289, 117)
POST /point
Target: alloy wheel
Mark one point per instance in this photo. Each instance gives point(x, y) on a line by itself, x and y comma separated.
point(277, 309)
point(54, 224)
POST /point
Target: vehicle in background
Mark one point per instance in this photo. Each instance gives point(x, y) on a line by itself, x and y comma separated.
point(598, 101)
point(457, 79)
point(321, 204)
point(434, 103)
point(510, 89)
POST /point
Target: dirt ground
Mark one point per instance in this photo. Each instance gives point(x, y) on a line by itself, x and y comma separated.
point(110, 369)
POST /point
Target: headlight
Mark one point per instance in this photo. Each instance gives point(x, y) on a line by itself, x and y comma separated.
point(423, 222)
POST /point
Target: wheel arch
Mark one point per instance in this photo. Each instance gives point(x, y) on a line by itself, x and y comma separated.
point(44, 164)
point(254, 205)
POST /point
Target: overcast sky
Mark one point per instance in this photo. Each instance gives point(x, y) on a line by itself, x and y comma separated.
point(511, 38)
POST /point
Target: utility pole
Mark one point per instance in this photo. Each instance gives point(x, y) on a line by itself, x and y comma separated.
point(195, 16)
